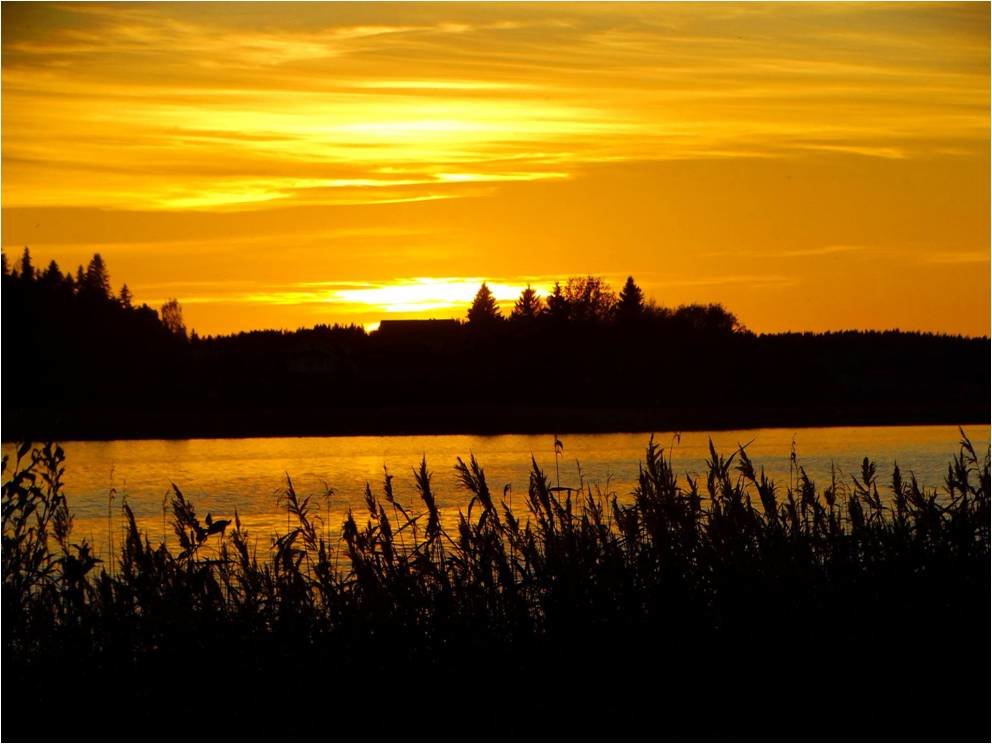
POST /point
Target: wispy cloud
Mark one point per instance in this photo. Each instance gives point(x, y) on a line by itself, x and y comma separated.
point(825, 250)
point(955, 257)
point(754, 280)
point(434, 89)
point(407, 296)
point(802, 252)
point(895, 153)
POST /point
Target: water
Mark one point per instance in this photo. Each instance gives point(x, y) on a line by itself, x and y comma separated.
point(223, 475)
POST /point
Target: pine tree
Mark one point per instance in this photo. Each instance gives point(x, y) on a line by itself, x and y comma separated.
point(484, 310)
point(97, 280)
point(27, 268)
point(557, 304)
point(52, 276)
point(126, 298)
point(528, 305)
point(630, 305)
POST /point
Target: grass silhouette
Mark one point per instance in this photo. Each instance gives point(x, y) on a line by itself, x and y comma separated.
point(718, 607)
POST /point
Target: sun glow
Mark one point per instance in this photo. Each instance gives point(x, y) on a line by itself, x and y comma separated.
point(421, 295)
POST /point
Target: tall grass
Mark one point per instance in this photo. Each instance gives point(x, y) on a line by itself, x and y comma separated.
point(726, 606)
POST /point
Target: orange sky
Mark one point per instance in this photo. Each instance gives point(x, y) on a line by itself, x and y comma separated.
point(811, 166)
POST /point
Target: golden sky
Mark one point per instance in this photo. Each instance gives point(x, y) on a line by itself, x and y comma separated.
point(812, 166)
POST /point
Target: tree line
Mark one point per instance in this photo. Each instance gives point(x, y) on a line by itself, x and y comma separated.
point(84, 362)
point(581, 299)
point(590, 299)
point(91, 284)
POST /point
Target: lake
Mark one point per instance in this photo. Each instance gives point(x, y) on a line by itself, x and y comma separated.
point(223, 475)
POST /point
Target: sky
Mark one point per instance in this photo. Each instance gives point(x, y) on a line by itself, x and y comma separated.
point(276, 165)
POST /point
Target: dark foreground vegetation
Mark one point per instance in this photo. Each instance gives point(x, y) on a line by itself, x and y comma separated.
point(83, 362)
point(724, 608)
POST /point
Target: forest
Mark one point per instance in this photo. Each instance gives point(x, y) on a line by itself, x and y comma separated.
point(86, 362)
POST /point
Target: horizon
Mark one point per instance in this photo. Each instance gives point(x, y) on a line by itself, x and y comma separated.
point(819, 167)
point(500, 292)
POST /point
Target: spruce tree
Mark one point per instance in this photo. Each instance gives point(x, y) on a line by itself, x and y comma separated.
point(630, 305)
point(52, 276)
point(528, 305)
point(557, 303)
point(97, 278)
point(27, 268)
point(484, 310)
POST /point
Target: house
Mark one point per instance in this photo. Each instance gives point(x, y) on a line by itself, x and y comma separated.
point(428, 332)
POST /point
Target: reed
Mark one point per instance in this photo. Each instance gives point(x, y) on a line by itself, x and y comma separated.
point(720, 607)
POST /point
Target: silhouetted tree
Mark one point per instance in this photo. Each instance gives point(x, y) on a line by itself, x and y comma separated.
point(52, 277)
point(484, 309)
point(27, 269)
point(656, 312)
point(97, 281)
point(80, 278)
point(630, 305)
point(125, 297)
point(3, 264)
point(557, 305)
point(172, 318)
point(713, 318)
point(589, 298)
point(528, 305)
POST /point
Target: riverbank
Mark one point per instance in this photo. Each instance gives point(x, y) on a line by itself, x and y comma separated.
point(203, 422)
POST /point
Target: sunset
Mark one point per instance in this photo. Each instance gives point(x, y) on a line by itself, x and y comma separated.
point(281, 165)
point(496, 371)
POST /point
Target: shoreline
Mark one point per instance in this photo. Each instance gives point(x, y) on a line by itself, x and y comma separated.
point(122, 425)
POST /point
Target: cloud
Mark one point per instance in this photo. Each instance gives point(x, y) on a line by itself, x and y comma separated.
point(865, 150)
point(809, 251)
point(755, 280)
point(411, 295)
point(955, 257)
point(154, 92)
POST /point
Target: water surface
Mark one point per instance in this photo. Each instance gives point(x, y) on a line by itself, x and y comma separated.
point(223, 475)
